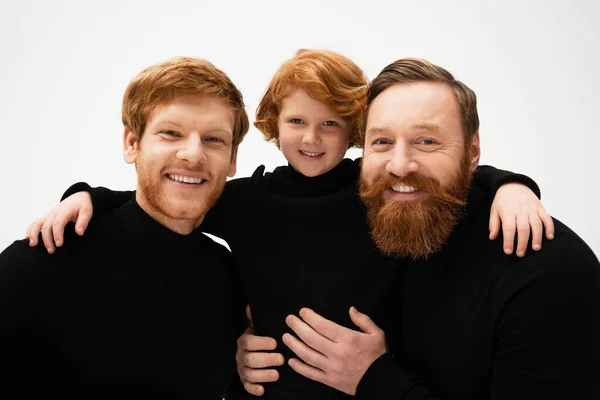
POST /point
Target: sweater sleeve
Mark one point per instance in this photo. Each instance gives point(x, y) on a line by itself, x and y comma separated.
point(490, 179)
point(385, 380)
point(103, 199)
point(547, 338)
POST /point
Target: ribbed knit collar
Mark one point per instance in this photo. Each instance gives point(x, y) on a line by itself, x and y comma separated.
point(143, 229)
point(287, 181)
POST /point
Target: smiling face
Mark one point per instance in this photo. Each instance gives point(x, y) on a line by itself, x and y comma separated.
point(416, 167)
point(312, 137)
point(183, 159)
point(415, 129)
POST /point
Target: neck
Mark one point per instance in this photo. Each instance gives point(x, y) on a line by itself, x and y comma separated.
point(177, 225)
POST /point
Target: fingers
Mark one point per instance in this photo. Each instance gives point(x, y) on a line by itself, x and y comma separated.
point(364, 322)
point(537, 230)
point(524, 231)
point(250, 342)
point(48, 235)
point(494, 224)
point(310, 336)
point(508, 233)
point(306, 353)
point(308, 371)
point(259, 359)
point(83, 219)
point(251, 363)
point(252, 388)
point(548, 223)
point(58, 228)
point(33, 231)
point(323, 326)
point(254, 376)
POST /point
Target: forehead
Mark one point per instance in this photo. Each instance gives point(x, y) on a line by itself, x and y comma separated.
point(195, 111)
point(300, 101)
point(413, 104)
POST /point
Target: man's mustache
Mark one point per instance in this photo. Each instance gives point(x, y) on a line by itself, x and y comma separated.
point(426, 184)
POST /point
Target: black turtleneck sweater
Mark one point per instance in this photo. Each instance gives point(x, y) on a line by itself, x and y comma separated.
point(130, 310)
point(478, 324)
point(303, 242)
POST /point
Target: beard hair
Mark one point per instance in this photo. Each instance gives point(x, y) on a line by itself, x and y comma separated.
point(168, 208)
point(416, 228)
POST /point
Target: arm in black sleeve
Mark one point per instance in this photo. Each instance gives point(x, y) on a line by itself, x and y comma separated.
point(385, 380)
point(547, 338)
point(548, 334)
point(490, 179)
point(103, 199)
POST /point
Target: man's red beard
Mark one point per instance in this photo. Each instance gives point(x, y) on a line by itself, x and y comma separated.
point(172, 208)
point(415, 228)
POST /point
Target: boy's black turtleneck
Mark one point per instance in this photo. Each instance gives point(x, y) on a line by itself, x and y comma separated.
point(302, 241)
point(288, 182)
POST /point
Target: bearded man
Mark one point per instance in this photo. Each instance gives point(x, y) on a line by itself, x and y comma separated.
point(474, 323)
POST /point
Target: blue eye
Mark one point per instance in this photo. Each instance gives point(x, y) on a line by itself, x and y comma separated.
point(297, 121)
point(381, 142)
point(330, 123)
point(428, 142)
point(169, 132)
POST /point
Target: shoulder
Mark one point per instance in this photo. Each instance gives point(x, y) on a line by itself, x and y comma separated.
point(567, 254)
point(237, 187)
point(564, 274)
point(20, 251)
point(20, 262)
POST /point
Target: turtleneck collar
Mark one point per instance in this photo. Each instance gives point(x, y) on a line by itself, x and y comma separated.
point(141, 227)
point(287, 181)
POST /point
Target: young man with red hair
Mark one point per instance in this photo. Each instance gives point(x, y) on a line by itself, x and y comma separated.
point(122, 312)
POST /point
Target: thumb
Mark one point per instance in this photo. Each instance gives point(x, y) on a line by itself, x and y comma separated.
point(494, 223)
point(364, 322)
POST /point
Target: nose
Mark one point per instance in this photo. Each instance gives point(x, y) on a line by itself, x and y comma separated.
point(192, 150)
point(311, 136)
point(402, 162)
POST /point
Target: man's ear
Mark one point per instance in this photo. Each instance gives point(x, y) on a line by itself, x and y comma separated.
point(233, 163)
point(130, 146)
point(475, 151)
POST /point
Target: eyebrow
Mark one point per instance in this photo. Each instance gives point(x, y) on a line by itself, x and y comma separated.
point(377, 130)
point(427, 127)
point(293, 114)
point(171, 122)
point(212, 129)
point(223, 129)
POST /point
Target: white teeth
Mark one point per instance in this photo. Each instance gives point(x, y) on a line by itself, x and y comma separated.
point(308, 153)
point(185, 179)
point(403, 189)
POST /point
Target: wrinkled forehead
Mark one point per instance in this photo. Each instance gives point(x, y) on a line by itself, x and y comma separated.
point(418, 105)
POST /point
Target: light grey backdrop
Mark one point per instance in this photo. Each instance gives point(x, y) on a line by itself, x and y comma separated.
point(65, 64)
